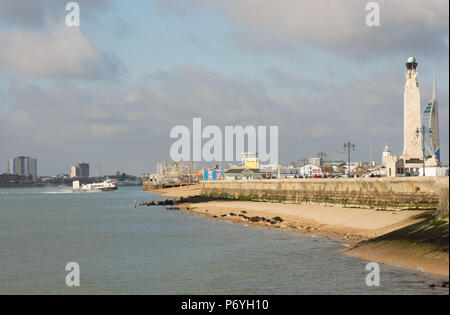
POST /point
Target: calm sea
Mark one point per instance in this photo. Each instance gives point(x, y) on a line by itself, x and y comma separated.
point(123, 250)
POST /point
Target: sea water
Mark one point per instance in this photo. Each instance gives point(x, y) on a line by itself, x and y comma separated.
point(150, 250)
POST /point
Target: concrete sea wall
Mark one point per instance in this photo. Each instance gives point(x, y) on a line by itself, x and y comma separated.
point(147, 186)
point(385, 193)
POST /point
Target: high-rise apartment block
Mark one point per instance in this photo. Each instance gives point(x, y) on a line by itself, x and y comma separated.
point(23, 165)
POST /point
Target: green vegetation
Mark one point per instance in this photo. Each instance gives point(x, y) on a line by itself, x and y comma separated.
point(430, 233)
point(323, 199)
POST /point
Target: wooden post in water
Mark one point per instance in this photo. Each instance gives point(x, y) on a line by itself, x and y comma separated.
point(135, 204)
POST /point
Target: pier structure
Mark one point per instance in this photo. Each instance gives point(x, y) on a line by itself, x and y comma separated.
point(172, 175)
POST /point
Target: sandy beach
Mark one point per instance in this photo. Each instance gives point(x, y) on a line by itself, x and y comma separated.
point(357, 226)
point(177, 192)
point(353, 225)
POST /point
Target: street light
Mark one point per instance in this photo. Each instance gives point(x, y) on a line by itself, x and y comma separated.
point(422, 131)
point(349, 146)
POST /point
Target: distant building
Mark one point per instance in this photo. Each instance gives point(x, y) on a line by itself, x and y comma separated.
point(250, 160)
point(84, 169)
point(280, 171)
point(74, 171)
point(300, 171)
point(32, 168)
point(315, 160)
point(210, 174)
point(310, 170)
point(80, 170)
point(24, 166)
point(243, 173)
point(434, 171)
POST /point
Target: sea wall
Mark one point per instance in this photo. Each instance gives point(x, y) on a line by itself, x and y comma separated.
point(385, 193)
point(148, 186)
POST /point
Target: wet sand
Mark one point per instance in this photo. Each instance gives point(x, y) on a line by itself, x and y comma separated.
point(350, 224)
point(177, 192)
point(357, 226)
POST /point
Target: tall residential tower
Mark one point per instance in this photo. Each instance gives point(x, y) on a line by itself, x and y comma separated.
point(23, 165)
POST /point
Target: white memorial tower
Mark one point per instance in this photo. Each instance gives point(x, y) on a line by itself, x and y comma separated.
point(412, 143)
point(413, 158)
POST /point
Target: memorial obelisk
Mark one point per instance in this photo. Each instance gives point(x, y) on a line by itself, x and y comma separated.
point(412, 142)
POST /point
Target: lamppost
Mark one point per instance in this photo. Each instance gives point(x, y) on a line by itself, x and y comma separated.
point(349, 146)
point(423, 131)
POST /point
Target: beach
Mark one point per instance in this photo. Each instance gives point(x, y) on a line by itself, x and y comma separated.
point(362, 229)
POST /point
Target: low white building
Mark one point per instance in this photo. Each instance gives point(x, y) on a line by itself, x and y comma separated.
point(292, 171)
point(434, 171)
point(301, 171)
point(310, 169)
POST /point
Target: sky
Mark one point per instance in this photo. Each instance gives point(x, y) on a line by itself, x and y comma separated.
point(110, 91)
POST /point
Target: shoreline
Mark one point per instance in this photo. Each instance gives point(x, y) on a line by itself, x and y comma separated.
point(373, 235)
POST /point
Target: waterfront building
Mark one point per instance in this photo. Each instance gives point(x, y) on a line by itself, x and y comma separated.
point(309, 169)
point(250, 160)
point(84, 169)
point(32, 168)
point(24, 166)
point(211, 174)
point(248, 170)
point(80, 170)
point(244, 173)
point(74, 171)
point(292, 171)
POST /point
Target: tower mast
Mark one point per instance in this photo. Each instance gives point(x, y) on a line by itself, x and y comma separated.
point(435, 121)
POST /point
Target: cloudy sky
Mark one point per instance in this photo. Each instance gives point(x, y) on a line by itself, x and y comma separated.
point(110, 91)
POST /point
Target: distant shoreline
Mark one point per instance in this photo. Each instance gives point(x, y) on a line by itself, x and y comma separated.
point(373, 235)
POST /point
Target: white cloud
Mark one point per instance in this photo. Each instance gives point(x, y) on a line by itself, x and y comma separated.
point(58, 52)
point(336, 24)
point(107, 130)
